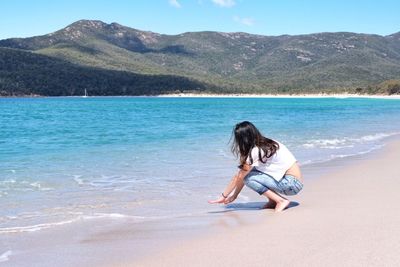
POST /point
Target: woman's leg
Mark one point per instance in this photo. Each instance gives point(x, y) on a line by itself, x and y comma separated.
point(289, 185)
point(281, 203)
point(270, 204)
point(264, 185)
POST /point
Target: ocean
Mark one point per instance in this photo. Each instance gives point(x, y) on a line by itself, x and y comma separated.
point(64, 160)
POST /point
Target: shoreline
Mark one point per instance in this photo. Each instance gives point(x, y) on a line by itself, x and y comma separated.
point(334, 224)
point(341, 95)
point(130, 244)
point(206, 95)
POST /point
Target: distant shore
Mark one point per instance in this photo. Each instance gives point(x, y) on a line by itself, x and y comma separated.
point(205, 95)
point(282, 95)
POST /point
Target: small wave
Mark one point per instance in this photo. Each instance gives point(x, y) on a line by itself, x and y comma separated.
point(104, 181)
point(78, 180)
point(346, 142)
point(94, 216)
point(8, 182)
point(5, 256)
point(42, 226)
point(15, 185)
point(24, 215)
point(333, 157)
point(326, 143)
point(39, 186)
point(112, 215)
point(377, 136)
point(358, 153)
point(33, 228)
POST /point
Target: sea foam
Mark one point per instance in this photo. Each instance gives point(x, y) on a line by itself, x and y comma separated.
point(346, 142)
point(5, 256)
point(42, 226)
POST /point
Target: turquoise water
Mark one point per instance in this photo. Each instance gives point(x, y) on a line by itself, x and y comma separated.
point(67, 159)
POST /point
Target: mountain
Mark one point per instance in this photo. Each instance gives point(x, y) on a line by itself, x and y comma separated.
point(225, 62)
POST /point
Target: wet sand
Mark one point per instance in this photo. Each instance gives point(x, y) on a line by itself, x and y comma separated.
point(346, 217)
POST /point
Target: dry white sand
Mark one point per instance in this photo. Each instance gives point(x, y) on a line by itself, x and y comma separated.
point(342, 95)
point(350, 217)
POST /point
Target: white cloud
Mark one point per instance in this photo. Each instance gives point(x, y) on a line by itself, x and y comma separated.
point(175, 3)
point(224, 3)
point(244, 21)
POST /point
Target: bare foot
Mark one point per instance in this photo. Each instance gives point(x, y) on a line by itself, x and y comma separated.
point(281, 205)
point(269, 205)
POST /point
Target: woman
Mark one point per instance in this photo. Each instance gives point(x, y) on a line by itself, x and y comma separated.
point(266, 166)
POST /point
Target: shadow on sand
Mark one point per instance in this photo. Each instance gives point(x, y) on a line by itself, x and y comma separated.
point(250, 206)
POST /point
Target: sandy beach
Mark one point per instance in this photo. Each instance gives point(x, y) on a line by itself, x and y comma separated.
point(346, 217)
point(341, 95)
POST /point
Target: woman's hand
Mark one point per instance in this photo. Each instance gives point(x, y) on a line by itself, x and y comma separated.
point(220, 200)
point(230, 199)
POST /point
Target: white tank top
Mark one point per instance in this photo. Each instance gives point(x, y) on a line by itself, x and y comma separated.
point(275, 166)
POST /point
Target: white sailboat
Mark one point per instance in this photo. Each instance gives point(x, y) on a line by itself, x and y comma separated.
point(86, 95)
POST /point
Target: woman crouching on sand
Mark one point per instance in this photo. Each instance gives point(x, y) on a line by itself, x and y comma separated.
point(266, 166)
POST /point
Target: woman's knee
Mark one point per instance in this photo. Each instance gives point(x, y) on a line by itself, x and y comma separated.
point(254, 185)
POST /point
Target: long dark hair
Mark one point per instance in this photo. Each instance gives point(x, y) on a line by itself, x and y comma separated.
point(247, 136)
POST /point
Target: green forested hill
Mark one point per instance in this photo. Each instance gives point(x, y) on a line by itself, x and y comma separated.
point(26, 73)
point(222, 62)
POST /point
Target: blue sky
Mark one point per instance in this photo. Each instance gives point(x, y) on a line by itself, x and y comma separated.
point(23, 18)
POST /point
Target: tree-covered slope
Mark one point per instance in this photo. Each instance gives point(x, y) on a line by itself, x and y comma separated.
point(26, 73)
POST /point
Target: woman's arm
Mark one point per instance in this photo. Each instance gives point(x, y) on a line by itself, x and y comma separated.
point(228, 190)
point(236, 185)
point(239, 184)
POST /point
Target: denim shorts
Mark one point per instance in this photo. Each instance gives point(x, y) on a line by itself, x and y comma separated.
point(261, 182)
